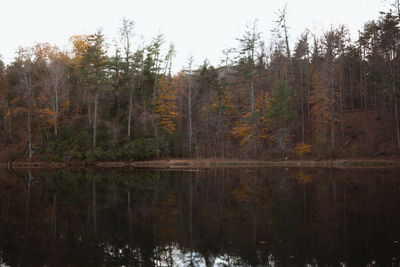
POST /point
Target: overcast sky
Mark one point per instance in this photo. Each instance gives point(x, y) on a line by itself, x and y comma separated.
point(202, 28)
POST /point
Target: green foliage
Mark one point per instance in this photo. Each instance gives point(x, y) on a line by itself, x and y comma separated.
point(73, 143)
point(322, 147)
point(68, 144)
point(94, 154)
point(81, 141)
point(281, 114)
point(281, 111)
point(139, 149)
point(103, 136)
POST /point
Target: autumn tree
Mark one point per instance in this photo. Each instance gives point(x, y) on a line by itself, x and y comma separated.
point(166, 109)
point(51, 75)
point(247, 53)
point(25, 66)
point(326, 84)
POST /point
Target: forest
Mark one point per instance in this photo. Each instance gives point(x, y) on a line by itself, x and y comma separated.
point(325, 96)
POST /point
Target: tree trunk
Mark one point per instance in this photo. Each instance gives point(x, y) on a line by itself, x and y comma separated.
point(302, 102)
point(127, 60)
point(190, 117)
point(89, 111)
point(53, 230)
point(331, 104)
point(144, 116)
point(155, 93)
point(5, 122)
point(56, 109)
point(341, 103)
point(130, 111)
point(94, 208)
point(95, 118)
point(396, 114)
point(28, 199)
point(10, 125)
point(253, 115)
point(29, 85)
point(220, 130)
point(332, 117)
point(116, 99)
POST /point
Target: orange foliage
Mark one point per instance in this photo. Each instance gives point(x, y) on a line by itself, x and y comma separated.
point(243, 128)
point(45, 51)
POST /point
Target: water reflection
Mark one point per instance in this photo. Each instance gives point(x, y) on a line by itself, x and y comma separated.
point(212, 217)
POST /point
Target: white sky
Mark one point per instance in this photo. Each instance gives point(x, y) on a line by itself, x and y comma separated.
point(200, 27)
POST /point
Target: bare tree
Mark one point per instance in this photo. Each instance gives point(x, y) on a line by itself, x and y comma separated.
point(25, 67)
point(126, 32)
point(189, 88)
point(58, 81)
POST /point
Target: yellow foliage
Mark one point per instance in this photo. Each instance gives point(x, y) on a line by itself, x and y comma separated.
point(46, 112)
point(166, 105)
point(65, 104)
point(303, 178)
point(243, 131)
point(302, 148)
point(244, 192)
point(16, 110)
point(46, 117)
point(80, 44)
point(166, 215)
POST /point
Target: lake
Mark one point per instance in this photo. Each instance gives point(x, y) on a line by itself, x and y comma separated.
point(206, 217)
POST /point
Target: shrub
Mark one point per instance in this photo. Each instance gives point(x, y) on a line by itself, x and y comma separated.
point(140, 149)
point(94, 154)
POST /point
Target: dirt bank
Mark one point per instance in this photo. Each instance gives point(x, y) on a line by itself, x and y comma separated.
point(207, 163)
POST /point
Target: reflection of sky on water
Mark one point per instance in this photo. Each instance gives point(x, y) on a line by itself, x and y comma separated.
point(172, 255)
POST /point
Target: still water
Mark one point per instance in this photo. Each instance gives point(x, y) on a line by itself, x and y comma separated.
point(206, 217)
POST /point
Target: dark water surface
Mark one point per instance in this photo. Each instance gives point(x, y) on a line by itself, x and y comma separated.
point(207, 217)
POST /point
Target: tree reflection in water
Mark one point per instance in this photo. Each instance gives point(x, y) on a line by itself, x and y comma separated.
point(207, 217)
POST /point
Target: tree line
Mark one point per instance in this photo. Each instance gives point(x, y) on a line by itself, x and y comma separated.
point(324, 96)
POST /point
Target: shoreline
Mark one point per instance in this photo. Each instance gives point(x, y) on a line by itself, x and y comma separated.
point(206, 163)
